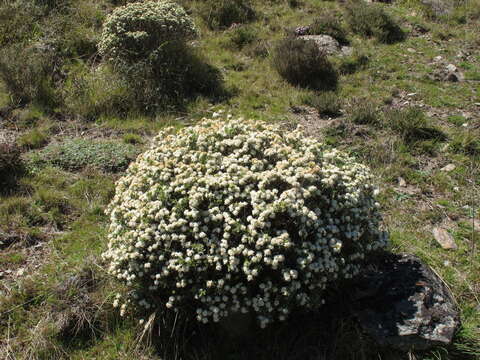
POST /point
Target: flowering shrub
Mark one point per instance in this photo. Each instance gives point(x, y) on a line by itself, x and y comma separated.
point(137, 31)
point(233, 216)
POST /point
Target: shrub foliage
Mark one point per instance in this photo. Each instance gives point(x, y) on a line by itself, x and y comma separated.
point(234, 216)
point(328, 23)
point(371, 20)
point(301, 62)
point(220, 14)
point(138, 31)
point(31, 79)
point(147, 44)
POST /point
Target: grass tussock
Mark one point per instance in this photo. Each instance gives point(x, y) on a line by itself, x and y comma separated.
point(370, 20)
point(326, 103)
point(302, 63)
point(221, 14)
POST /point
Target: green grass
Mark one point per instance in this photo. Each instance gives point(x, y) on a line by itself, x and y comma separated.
point(60, 203)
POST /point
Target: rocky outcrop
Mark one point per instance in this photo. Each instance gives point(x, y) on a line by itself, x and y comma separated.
point(401, 303)
point(328, 44)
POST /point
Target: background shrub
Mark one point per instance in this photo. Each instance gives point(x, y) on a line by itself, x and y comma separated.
point(364, 112)
point(370, 20)
point(242, 35)
point(220, 14)
point(18, 22)
point(301, 62)
point(31, 79)
point(161, 70)
point(328, 23)
point(178, 74)
point(139, 31)
point(79, 153)
point(98, 90)
point(326, 103)
point(236, 216)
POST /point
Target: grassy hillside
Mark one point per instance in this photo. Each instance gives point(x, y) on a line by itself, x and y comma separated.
point(77, 126)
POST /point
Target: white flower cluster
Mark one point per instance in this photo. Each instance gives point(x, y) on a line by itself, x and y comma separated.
point(234, 216)
point(137, 30)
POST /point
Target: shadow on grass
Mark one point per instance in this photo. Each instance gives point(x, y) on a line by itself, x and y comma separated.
point(171, 79)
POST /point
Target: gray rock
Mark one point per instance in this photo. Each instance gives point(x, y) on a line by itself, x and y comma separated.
point(402, 304)
point(439, 7)
point(451, 68)
point(325, 43)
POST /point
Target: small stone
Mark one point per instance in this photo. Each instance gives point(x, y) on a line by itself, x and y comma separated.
point(411, 50)
point(445, 240)
point(448, 168)
point(437, 58)
point(401, 182)
point(451, 67)
point(411, 94)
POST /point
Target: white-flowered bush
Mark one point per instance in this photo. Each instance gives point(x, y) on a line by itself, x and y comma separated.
point(233, 216)
point(139, 31)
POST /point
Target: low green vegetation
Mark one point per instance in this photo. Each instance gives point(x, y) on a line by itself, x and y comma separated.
point(72, 120)
point(75, 154)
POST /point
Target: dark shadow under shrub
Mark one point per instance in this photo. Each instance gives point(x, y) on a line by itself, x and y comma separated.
point(220, 14)
point(11, 166)
point(174, 75)
point(302, 63)
point(352, 63)
point(370, 20)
